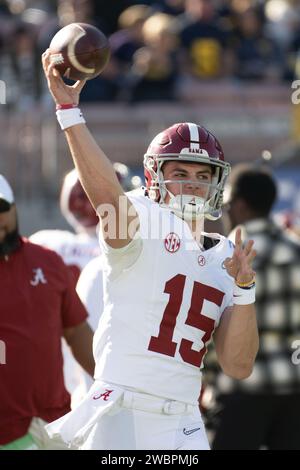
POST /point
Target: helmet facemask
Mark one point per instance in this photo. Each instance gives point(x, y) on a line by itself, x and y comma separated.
point(187, 206)
point(186, 142)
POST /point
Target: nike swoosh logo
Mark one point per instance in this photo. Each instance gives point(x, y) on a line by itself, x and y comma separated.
point(187, 432)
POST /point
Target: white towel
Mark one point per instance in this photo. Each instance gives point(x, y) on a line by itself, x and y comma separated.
point(74, 427)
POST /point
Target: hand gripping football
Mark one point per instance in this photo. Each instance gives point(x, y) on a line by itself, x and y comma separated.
point(79, 51)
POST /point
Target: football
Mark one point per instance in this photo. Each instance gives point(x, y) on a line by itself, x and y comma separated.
point(79, 51)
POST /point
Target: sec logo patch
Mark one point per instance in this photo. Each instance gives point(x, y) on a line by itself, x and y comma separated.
point(172, 242)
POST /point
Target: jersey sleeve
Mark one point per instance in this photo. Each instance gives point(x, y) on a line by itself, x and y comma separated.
point(90, 290)
point(116, 260)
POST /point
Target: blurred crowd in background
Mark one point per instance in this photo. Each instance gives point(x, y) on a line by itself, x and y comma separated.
point(236, 60)
point(228, 64)
point(155, 44)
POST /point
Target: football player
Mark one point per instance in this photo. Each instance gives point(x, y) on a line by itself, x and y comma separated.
point(168, 287)
point(78, 248)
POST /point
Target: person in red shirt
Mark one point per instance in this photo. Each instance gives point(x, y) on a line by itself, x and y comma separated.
point(38, 306)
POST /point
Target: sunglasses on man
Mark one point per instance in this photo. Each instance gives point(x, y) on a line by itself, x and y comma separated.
point(4, 206)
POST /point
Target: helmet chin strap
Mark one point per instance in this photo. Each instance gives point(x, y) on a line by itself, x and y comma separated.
point(187, 206)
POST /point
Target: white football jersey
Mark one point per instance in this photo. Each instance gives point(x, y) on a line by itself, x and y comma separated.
point(75, 249)
point(163, 297)
point(90, 290)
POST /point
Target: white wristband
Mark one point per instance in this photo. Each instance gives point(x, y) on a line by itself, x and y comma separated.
point(69, 117)
point(243, 296)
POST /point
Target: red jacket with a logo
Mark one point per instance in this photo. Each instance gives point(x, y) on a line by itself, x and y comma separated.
point(37, 301)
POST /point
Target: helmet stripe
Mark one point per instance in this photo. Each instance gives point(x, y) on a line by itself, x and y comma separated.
point(194, 135)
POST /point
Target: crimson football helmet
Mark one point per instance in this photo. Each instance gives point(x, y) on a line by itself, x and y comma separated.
point(75, 205)
point(186, 142)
